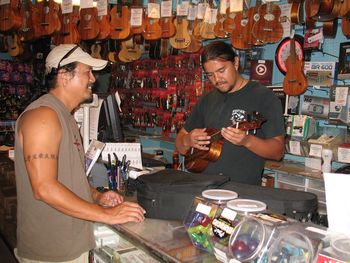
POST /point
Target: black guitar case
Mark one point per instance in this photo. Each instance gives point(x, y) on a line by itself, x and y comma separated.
point(168, 194)
point(295, 204)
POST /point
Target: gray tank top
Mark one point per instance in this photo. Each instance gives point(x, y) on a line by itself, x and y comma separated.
point(43, 233)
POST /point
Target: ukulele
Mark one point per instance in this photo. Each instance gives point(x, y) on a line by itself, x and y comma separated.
point(152, 30)
point(26, 32)
point(268, 29)
point(229, 21)
point(167, 25)
point(103, 21)
point(294, 83)
point(69, 33)
point(344, 9)
point(88, 25)
point(207, 28)
point(195, 44)
point(241, 36)
point(219, 29)
point(10, 16)
point(345, 26)
point(130, 51)
point(49, 20)
point(137, 7)
point(197, 160)
point(182, 38)
point(120, 25)
point(14, 45)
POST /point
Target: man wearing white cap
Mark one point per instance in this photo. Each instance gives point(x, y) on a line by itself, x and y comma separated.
point(56, 205)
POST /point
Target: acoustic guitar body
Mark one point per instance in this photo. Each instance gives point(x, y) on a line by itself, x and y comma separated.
point(268, 29)
point(229, 23)
point(197, 160)
point(168, 27)
point(182, 38)
point(69, 33)
point(345, 26)
point(130, 51)
point(295, 82)
point(88, 25)
point(241, 35)
point(105, 27)
point(10, 16)
point(49, 19)
point(26, 31)
point(120, 26)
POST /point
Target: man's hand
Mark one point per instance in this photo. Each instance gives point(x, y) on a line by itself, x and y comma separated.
point(125, 212)
point(199, 138)
point(235, 136)
point(109, 199)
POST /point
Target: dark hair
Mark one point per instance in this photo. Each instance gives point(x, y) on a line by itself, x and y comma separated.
point(51, 78)
point(218, 50)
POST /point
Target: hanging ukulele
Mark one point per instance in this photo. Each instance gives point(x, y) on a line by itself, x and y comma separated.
point(197, 160)
point(295, 82)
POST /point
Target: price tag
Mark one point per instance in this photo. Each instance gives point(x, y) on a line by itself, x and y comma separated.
point(166, 9)
point(192, 12)
point(153, 10)
point(294, 147)
point(344, 155)
point(136, 17)
point(4, 2)
point(341, 95)
point(102, 7)
point(182, 9)
point(224, 4)
point(315, 150)
point(67, 7)
point(201, 10)
point(236, 6)
point(210, 15)
point(86, 4)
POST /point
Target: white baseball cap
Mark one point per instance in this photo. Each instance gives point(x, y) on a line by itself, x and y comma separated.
point(68, 53)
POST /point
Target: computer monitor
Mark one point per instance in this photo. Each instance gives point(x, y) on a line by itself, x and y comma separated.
point(109, 123)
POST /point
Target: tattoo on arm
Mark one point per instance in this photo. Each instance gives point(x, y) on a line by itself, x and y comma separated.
point(35, 156)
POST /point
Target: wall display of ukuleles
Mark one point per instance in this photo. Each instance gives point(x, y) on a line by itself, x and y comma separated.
point(197, 160)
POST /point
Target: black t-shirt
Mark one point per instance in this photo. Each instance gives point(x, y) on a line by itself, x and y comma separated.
point(216, 109)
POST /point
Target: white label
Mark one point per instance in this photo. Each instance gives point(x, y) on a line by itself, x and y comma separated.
point(341, 95)
point(166, 9)
point(236, 6)
point(192, 12)
point(153, 10)
point(182, 9)
point(4, 2)
point(344, 155)
point(67, 6)
point(136, 17)
point(201, 10)
point(86, 4)
point(102, 7)
point(220, 255)
point(223, 6)
point(229, 214)
point(204, 209)
point(210, 15)
point(313, 163)
point(294, 147)
point(315, 150)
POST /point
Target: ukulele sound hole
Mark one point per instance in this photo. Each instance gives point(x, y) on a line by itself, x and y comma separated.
point(87, 17)
point(244, 22)
point(269, 17)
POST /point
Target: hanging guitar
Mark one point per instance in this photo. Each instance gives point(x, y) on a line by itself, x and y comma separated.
point(295, 82)
point(197, 160)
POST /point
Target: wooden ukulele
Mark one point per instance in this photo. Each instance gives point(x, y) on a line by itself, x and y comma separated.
point(167, 25)
point(345, 26)
point(69, 33)
point(182, 38)
point(294, 83)
point(120, 22)
point(152, 30)
point(268, 29)
point(207, 28)
point(88, 25)
point(130, 51)
point(137, 6)
point(241, 36)
point(10, 16)
point(219, 25)
point(345, 8)
point(15, 47)
point(229, 21)
point(49, 20)
point(197, 160)
point(26, 32)
point(195, 44)
point(105, 26)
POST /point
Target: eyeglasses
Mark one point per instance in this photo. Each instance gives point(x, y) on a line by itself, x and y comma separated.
point(66, 56)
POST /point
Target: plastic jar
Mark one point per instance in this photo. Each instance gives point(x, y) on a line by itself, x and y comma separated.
point(203, 211)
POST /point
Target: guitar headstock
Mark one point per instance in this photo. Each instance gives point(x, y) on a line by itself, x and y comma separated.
point(249, 121)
